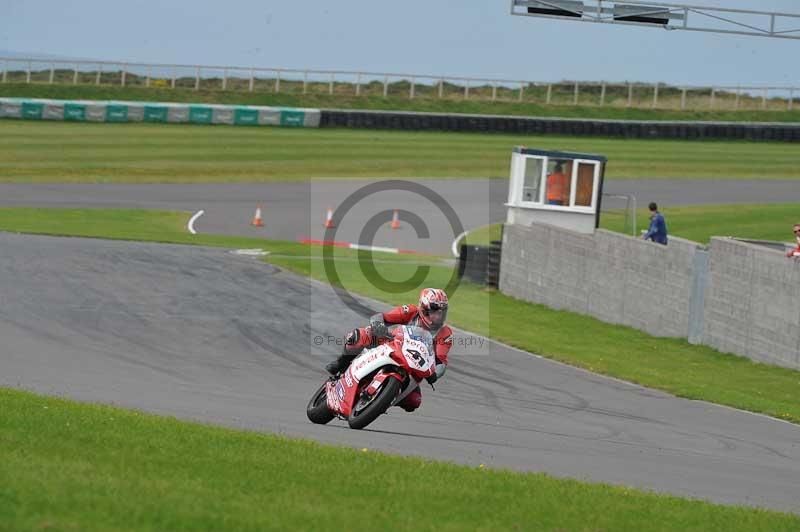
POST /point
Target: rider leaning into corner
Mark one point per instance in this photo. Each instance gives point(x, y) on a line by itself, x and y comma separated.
point(430, 315)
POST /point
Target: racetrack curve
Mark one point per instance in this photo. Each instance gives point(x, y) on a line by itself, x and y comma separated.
point(203, 334)
point(296, 210)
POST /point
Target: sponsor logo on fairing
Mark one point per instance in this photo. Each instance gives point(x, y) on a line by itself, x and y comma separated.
point(347, 379)
point(372, 357)
point(340, 390)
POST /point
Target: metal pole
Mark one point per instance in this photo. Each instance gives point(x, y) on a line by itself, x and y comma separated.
point(5, 72)
point(358, 84)
point(52, 72)
point(791, 97)
point(225, 79)
point(549, 93)
point(736, 101)
point(655, 96)
point(122, 75)
point(494, 91)
point(575, 97)
point(330, 85)
point(173, 77)
point(385, 86)
point(441, 88)
point(411, 89)
point(683, 98)
point(28, 76)
point(713, 95)
point(277, 81)
point(521, 89)
point(466, 89)
point(630, 94)
point(305, 81)
point(764, 99)
point(74, 75)
point(99, 71)
point(252, 83)
point(602, 94)
point(197, 78)
point(149, 73)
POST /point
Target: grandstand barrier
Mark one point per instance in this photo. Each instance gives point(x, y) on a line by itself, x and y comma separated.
point(157, 112)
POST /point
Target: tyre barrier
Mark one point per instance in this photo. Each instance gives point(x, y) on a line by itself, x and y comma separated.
point(480, 264)
point(768, 131)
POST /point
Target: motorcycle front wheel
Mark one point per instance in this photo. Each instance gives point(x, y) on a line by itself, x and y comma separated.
point(365, 412)
point(317, 409)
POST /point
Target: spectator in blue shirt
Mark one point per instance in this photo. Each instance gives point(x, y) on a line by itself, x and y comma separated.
point(658, 227)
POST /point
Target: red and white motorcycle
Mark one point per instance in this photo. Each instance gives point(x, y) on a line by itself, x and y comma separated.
point(377, 379)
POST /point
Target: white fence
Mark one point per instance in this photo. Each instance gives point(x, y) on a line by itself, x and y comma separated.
point(397, 85)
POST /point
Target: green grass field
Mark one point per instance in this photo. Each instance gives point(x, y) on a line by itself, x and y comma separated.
point(344, 98)
point(50, 152)
point(71, 466)
point(698, 223)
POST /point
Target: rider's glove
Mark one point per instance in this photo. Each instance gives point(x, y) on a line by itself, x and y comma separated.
point(378, 329)
point(352, 337)
point(433, 378)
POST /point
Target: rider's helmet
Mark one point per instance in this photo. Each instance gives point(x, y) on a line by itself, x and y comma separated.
point(432, 308)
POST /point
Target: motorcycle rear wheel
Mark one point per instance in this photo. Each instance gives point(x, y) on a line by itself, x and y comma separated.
point(317, 409)
point(358, 419)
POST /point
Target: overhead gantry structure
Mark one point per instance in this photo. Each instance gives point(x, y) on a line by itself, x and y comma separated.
point(668, 16)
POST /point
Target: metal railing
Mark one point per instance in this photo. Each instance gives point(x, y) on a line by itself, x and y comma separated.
point(355, 83)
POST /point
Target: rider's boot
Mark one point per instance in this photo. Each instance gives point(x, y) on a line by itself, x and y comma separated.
point(337, 366)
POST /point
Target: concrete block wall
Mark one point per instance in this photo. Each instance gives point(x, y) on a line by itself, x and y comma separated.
point(752, 303)
point(613, 277)
point(743, 298)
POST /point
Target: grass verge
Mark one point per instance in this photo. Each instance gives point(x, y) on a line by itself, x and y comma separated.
point(672, 365)
point(51, 152)
point(71, 466)
point(167, 227)
point(770, 221)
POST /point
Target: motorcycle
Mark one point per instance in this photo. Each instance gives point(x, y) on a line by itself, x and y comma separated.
point(379, 378)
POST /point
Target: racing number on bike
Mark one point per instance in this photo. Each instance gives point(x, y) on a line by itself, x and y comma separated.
point(417, 356)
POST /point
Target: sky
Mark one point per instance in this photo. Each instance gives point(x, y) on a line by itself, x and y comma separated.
point(475, 38)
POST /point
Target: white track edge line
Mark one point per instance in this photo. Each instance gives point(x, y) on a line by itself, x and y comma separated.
point(197, 215)
point(454, 247)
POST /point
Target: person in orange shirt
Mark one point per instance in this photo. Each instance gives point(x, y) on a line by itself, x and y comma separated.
point(558, 187)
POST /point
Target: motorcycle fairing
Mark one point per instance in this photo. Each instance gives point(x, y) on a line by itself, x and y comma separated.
point(342, 393)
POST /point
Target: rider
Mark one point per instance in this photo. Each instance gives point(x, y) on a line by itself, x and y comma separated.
point(430, 315)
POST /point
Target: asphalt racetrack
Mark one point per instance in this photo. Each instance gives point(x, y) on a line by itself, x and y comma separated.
point(208, 335)
point(292, 211)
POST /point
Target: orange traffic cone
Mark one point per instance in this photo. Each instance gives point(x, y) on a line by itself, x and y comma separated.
point(395, 220)
point(329, 219)
point(257, 218)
